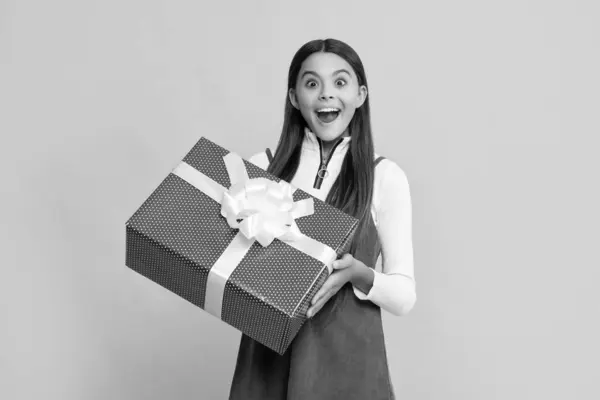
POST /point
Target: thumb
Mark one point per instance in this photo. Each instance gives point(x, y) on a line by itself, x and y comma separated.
point(343, 262)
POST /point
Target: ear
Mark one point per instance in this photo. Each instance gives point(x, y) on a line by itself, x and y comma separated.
point(293, 99)
point(362, 96)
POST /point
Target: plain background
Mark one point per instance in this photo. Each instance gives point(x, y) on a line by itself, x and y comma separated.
point(491, 109)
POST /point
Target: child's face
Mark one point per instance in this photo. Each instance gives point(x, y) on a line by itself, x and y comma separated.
point(327, 94)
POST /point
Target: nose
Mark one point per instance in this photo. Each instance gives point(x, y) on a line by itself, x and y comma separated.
point(326, 93)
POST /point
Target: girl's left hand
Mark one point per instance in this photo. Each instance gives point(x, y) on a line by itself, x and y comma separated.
point(343, 272)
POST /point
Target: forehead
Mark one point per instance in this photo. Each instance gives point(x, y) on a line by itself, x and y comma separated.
point(325, 64)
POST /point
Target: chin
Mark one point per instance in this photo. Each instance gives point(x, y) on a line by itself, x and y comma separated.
point(328, 133)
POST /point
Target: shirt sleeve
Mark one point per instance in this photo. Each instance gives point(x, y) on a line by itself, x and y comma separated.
point(394, 288)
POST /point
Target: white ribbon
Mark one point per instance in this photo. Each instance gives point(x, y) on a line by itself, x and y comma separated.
point(261, 210)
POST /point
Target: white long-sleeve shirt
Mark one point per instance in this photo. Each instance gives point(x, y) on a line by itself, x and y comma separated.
point(394, 287)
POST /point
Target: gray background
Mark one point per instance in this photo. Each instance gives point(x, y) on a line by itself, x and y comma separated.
point(491, 108)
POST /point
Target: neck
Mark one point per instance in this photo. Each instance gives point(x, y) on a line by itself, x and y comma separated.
point(326, 147)
point(313, 142)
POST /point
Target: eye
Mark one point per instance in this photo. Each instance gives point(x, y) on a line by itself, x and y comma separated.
point(340, 82)
point(311, 83)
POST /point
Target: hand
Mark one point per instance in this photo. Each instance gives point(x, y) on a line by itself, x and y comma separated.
point(343, 272)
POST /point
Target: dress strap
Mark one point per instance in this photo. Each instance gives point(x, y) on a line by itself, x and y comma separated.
point(378, 160)
point(269, 155)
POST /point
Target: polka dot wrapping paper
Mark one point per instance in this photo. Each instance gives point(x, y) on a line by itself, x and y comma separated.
point(178, 234)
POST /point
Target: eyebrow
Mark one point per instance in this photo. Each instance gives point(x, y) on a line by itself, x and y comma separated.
point(335, 73)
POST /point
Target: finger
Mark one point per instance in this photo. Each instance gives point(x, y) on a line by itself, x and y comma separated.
point(343, 262)
point(317, 307)
point(313, 311)
point(322, 291)
point(316, 297)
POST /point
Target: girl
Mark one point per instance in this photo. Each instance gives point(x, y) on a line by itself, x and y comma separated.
point(326, 149)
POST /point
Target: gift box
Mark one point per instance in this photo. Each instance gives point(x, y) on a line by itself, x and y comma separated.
point(237, 242)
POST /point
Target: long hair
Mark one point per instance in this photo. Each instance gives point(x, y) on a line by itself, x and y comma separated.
point(352, 191)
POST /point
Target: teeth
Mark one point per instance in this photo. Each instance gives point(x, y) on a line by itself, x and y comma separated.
point(328, 110)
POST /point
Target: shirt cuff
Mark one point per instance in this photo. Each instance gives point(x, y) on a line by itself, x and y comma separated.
point(368, 296)
point(394, 293)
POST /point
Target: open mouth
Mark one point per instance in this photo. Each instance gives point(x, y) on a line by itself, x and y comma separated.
point(327, 115)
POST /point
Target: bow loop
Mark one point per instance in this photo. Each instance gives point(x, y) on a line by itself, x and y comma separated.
point(262, 209)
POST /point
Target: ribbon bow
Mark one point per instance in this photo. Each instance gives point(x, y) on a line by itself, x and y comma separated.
point(260, 208)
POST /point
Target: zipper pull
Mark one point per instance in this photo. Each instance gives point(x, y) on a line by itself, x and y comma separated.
point(322, 172)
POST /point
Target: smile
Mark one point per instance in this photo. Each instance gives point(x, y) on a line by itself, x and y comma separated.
point(327, 115)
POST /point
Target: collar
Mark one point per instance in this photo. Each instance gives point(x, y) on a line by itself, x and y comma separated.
point(311, 142)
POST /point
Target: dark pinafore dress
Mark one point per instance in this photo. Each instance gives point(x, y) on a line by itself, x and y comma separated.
point(338, 354)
